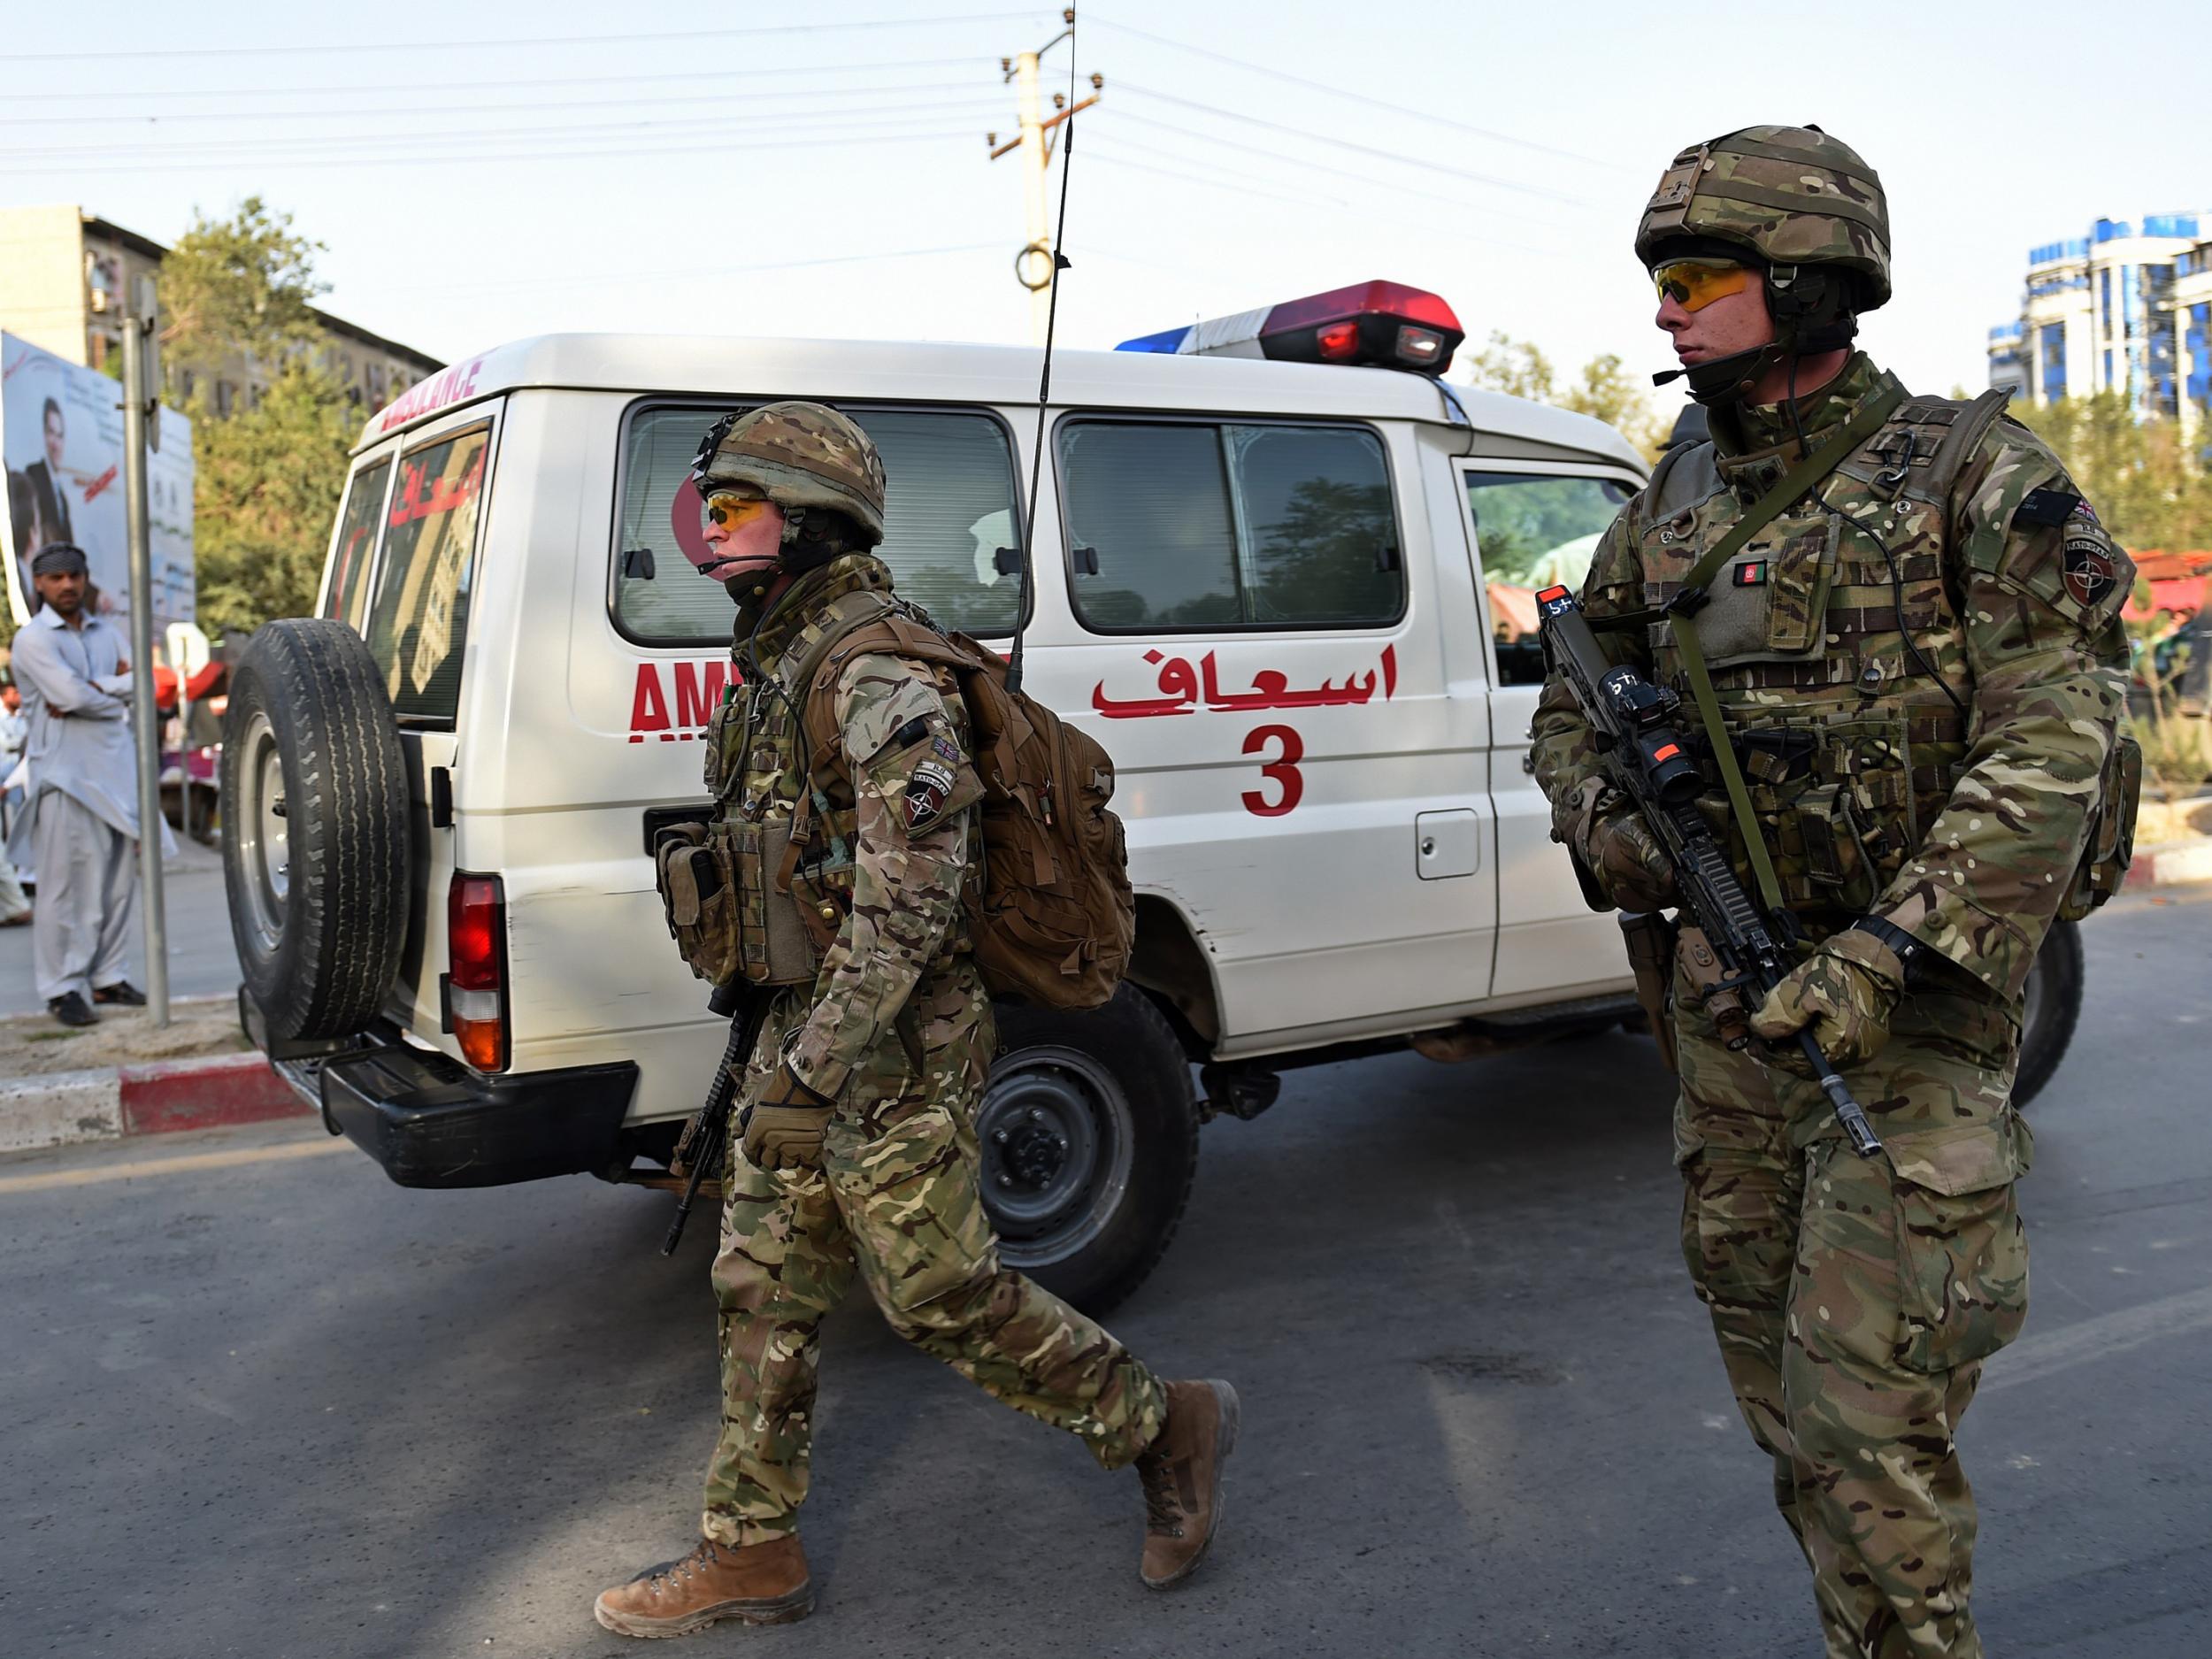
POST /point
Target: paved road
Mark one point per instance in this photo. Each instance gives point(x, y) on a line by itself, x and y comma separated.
point(202, 962)
point(275, 1406)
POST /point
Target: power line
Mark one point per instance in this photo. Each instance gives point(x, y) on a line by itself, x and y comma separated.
point(689, 76)
point(687, 274)
point(510, 42)
point(448, 157)
point(805, 95)
point(1399, 157)
point(1355, 97)
point(1303, 164)
point(695, 127)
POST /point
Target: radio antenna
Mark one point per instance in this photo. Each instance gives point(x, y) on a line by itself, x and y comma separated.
point(1044, 379)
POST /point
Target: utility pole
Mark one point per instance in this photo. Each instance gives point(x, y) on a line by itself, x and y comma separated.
point(141, 402)
point(1034, 267)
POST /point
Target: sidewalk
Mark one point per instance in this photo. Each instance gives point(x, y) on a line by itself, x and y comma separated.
point(202, 960)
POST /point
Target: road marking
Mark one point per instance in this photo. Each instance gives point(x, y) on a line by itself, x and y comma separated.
point(163, 1166)
point(2108, 1333)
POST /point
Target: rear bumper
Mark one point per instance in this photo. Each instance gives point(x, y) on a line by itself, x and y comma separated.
point(428, 1121)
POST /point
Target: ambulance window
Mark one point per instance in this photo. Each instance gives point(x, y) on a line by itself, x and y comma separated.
point(419, 620)
point(1193, 525)
point(949, 507)
point(355, 544)
point(1531, 533)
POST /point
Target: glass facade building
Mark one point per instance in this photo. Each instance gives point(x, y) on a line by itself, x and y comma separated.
point(2125, 309)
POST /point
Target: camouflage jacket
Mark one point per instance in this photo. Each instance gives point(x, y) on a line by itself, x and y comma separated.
point(1942, 777)
point(888, 850)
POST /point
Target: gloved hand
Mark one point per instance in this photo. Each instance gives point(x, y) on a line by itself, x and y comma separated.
point(1846, 992)
point(1616, 847)
point(784, 1129)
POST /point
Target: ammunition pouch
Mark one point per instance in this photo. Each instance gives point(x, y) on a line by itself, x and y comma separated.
point(691, 867)
point(779, 941)
point(725, 890)
point(2111, 848)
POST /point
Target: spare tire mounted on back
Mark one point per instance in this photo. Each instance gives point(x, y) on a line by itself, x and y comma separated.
point(315, 852)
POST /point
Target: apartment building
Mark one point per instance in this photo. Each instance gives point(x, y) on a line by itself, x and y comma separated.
point(64, 275)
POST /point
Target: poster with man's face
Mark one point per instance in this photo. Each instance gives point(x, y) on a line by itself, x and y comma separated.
point(61, 439)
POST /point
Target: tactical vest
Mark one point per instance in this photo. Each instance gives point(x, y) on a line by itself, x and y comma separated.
point(1847, 742)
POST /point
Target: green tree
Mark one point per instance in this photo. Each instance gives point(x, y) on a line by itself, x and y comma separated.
point(267, 482)
point(2146, 486)
point(236, 301)
point(242, 286)
point(1604, 390)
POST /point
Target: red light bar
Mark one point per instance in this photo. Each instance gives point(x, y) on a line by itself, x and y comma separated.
point(1550, 594)
point(1382, 323)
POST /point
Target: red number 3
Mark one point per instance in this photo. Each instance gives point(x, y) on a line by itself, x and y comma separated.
point(1283, 770)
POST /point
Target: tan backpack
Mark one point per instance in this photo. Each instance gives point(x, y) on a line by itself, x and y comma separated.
point(1052, 919)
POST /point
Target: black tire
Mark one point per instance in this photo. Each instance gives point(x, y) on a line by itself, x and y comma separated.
point(314, 810)
point(1089, 1134)
point(2054, 1009)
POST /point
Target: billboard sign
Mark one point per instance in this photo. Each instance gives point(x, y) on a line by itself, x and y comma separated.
point(61, 437)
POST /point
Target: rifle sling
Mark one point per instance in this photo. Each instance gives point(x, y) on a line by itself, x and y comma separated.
point(1680, 613)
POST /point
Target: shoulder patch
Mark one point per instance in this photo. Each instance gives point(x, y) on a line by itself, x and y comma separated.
point(2049, 507)
point(2089, 572)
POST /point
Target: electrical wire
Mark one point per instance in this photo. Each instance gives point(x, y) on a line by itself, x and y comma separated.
point(689, 76)
point(464, 157)
point(1304, 165)
point(811, 97)
point(1357, 98)
point(767, 121)
point(1399, 157)
point(510, 42)
point(687, 274)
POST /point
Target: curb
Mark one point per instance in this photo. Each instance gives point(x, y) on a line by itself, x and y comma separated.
point(159, 1098)
point(2172, 863)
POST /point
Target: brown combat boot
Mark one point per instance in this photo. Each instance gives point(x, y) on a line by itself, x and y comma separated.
point(1181, 1472)
point(759, 1584)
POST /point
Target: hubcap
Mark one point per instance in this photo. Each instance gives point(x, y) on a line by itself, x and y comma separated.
point(265, 854)
point(1058, 1142)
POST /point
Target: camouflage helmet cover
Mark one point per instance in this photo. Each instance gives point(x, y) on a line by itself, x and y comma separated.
point(1791, 194)
point(798, 455)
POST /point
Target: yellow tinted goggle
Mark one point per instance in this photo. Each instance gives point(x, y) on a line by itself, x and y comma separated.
point(1694, 284)
point(731, 511)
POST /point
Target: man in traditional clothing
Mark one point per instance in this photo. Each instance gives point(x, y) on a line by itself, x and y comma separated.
point(81, 823)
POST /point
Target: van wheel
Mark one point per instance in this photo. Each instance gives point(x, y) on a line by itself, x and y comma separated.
point(1089, 1135)
point(2052, 1007)
point(314, 824)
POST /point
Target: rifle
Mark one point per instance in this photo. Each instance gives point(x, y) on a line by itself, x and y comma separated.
point(701, 1146)
point(1633, 723)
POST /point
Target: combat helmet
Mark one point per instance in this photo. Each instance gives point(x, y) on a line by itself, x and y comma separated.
point(1799, 205)
point(806, 458)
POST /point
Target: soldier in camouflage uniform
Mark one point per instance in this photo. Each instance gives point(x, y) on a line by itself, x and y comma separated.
point(1920, 667)
point(858, 1152)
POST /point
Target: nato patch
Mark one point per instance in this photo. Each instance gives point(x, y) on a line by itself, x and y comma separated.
point(1752, 575)
point(925, 794)
point(2089, 574)
point(2050, 508)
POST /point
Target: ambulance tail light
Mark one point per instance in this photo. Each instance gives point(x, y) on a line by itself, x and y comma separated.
point(1378, 323)
point(476, 988)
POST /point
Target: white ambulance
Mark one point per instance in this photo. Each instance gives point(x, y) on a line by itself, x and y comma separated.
point(1282, 572)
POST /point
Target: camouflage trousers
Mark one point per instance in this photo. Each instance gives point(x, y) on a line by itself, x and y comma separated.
point(896, 1198)
point(1855, 1299)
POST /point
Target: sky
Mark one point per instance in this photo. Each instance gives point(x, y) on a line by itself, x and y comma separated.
point(482, 173)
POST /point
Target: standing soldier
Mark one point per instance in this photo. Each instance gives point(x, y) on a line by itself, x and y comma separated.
point(859, 1148)
point(1909, 682)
